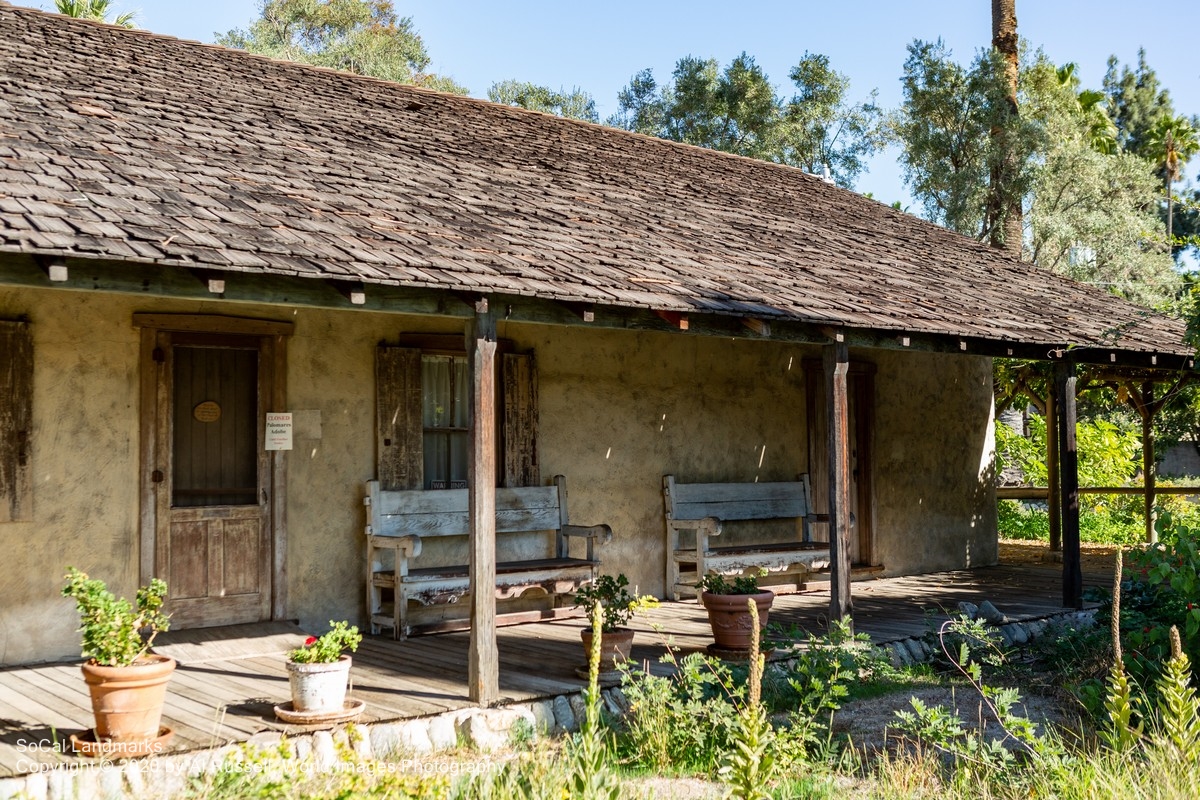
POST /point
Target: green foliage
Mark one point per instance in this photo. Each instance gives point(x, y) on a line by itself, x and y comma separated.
point(328, 647)
point(1092, 209)
point(749, 765)
point(737, 110)
point(575, 104)
point(740, 584)
point(956, 131)
point(362, 36)
point(97, 10)
point(1178, 721)
point(590, 777)
point(1136, 101)
point(112, 626)
point(611, 594)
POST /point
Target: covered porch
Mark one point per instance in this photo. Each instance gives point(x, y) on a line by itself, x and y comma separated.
point(229, 679)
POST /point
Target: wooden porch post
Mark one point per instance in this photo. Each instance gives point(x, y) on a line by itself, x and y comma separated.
point(1064, 387)
point(837, 367)
point(483, 672)
point(1147, 409)
point(1053, 500)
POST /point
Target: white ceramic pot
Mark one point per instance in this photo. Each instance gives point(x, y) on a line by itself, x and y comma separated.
point(319, 688)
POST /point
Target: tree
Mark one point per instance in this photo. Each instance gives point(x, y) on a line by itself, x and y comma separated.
point(362, 36)
point(945, 127)
point(737, 110)
point(1171, 143)
point(1005, 206)
point(576, 104)
point(1091, 208)
point(97, 10)
point(1135, 102)
point(822, 129)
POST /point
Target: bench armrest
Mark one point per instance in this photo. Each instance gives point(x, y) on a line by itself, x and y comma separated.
point(601, 532)
point(708, 526)
point(405, 546)
point(591, 533)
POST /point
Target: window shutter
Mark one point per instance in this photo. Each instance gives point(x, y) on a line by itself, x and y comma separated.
point(520, 420)
point(16, 417)
point(398, 418)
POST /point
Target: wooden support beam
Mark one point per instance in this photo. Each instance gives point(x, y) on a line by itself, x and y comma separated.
point(760, 326)
point(584, 311)
point(1147, 408)
point(354, 291)
point(55, 268)
point(484, 658)
point(1053, 501)
point(674, 318)
point(837, 405)
point(1064, 385)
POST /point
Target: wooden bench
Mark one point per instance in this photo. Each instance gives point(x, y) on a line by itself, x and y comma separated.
point(398, 522)
point(703, 508)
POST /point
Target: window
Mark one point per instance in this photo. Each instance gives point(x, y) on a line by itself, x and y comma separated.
point(446, 419)
point(423, 414)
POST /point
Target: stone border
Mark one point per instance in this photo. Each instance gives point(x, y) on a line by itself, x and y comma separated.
point(484, 729)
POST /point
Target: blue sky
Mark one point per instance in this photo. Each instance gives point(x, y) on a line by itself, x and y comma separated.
point(599, 45)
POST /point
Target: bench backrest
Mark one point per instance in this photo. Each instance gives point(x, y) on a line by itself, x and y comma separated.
point(736, 501)
point(444, 512)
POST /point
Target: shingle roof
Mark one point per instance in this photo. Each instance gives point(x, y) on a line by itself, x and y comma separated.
point(129, 145)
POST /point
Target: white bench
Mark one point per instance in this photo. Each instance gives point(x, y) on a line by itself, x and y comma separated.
point(426, 598)
point(703, 508)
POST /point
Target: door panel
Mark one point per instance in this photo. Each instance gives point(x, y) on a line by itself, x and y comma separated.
point(213, 504)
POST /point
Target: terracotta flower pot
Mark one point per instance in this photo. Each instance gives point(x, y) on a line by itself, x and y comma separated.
point(319, 688)
point(614, 646)
point(730, 617)
point(127, 702)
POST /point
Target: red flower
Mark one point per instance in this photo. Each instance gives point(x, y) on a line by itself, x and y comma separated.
point(310, 641)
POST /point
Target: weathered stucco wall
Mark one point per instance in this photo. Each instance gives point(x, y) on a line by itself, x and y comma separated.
point(618, 410)
point(935, 507)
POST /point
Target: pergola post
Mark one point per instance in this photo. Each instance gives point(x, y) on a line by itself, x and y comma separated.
point(483, 672)
point(1064, 387)
point(837, 367)
point(1053, 501)
point(1147, 409)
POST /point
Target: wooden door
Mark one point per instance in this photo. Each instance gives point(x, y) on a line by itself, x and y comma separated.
point(860, 389)
point(213, 485)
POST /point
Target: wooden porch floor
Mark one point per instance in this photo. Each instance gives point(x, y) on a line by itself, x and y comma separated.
point(229, 679)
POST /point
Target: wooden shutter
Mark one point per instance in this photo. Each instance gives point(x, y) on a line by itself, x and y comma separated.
point(398, 418)
point(16, 417)
point(519, 412)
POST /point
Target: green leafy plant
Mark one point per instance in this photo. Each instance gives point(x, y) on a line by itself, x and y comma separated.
point(112, 627)
point(741, 584)
point(611, 594)
point(590, 777)
point(328, 647)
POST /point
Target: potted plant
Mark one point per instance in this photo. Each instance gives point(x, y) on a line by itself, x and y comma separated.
point(319, 671)
point(127, 683)
point(612, 595)
point(728, 612)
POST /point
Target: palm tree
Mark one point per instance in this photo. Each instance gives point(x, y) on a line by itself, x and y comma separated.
point(97, 10)
point(1173, 142)
point(1007, 236)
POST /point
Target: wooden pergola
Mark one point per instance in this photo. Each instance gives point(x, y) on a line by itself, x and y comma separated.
point(1146, 390)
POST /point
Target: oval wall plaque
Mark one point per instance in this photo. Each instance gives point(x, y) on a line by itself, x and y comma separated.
point(208, 411)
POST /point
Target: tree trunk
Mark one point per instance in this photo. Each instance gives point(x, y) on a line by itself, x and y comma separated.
point(1007, 228)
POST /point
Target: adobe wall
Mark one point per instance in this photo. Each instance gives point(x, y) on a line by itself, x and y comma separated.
point(618, 410)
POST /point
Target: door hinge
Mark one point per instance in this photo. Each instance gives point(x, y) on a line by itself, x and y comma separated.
point(158, 355)
point(156, 476)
